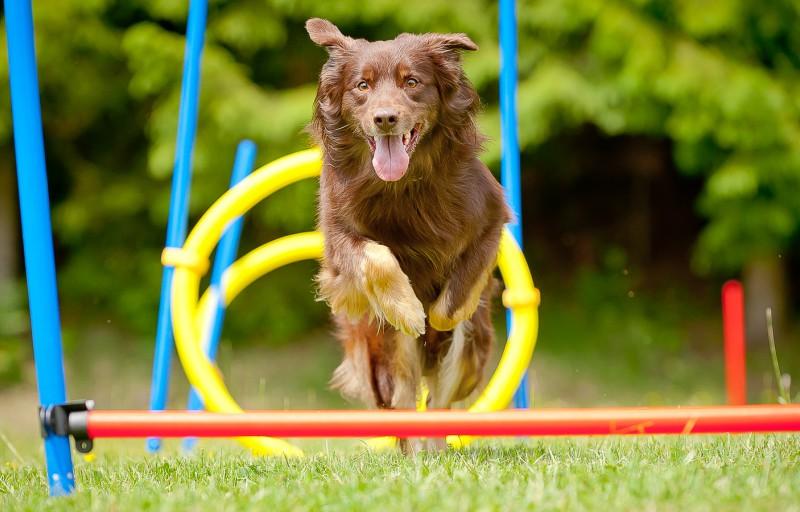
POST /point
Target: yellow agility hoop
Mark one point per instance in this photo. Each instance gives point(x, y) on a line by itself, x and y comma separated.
point(189, 316)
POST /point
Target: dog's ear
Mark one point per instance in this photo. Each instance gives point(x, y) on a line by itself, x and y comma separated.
point(326, 34)
point(450, 43)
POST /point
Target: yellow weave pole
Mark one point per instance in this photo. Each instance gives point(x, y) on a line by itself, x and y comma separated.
point(190, 316)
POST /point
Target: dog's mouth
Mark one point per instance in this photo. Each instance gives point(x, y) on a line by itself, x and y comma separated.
point(409, 139)
point(391, 153)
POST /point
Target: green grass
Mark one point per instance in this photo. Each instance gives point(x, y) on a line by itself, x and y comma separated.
point(646, 473)
point(639, 354)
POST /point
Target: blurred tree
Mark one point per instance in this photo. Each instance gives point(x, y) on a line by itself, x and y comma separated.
point(717, 79)
point(8, 227)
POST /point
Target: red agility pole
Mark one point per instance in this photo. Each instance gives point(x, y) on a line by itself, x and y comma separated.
point(541, 422)
point(733, 332)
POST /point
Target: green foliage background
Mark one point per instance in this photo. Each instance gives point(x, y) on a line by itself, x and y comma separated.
point(717, 79)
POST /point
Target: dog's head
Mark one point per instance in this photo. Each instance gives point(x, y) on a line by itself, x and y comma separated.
point(390, 94)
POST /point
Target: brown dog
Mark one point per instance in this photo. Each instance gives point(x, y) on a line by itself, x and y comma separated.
point(412, 219)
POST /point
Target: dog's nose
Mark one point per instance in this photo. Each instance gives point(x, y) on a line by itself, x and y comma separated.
point(385, 118)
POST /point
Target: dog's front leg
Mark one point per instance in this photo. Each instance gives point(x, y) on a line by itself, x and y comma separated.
point(462, 292)
point(360, 276)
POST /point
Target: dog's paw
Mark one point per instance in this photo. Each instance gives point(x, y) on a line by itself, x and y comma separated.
point(412, 446)
point(439, 319)
point(342, 294)
point(389, 291)
point(436, 444)
point(439, 314)
point(408, 316)
point(415, 446)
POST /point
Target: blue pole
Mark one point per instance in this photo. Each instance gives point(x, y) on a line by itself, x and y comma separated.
point(509, 170)
point(179, 201)
point(226, 254)
point(34, 206)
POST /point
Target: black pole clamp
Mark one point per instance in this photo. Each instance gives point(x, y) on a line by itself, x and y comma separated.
point(68, 419)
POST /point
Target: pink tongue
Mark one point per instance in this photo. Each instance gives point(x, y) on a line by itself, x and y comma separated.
point(390, 159)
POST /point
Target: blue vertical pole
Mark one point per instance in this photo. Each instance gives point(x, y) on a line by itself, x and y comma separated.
point(226, 254)
point(179, 201)
point(34, 205)
point(509, 170)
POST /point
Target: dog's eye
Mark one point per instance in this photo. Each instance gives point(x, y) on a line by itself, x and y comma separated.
point(362, 85)
point(412, 82)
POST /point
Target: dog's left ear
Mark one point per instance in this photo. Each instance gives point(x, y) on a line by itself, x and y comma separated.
point(453, 42)
point(450, 44)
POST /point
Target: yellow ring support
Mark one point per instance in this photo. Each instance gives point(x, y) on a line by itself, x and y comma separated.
point(189, 315)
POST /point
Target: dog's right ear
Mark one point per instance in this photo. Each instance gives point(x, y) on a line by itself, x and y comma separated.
point(327, 35)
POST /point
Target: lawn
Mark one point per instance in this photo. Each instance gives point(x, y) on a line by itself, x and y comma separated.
point(598, 359)
point(751, 472)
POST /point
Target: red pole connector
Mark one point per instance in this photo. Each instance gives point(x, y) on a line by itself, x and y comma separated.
point(733, 332)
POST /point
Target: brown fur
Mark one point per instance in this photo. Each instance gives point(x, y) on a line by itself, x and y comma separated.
point(406, 262)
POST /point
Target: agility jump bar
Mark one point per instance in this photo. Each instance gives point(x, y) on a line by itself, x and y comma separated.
point(94, 424)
